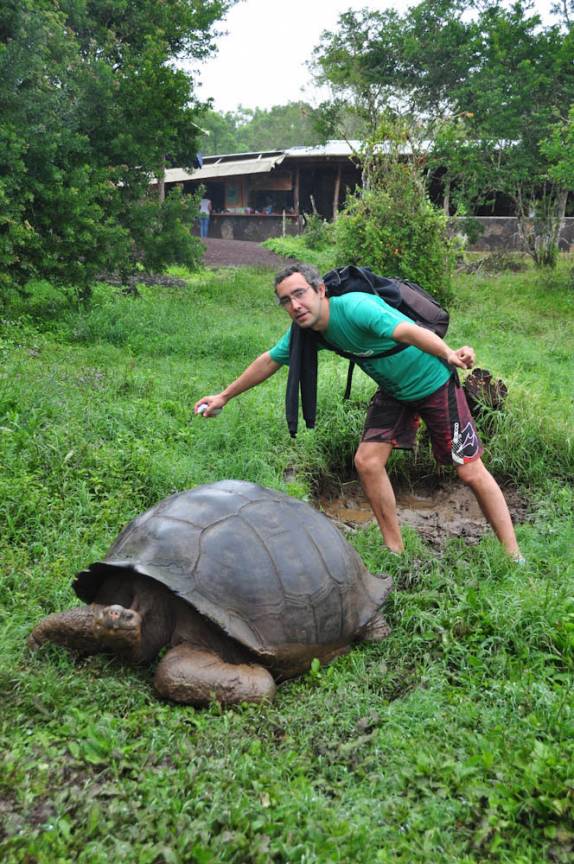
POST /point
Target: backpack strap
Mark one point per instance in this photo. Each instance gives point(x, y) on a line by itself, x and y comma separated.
point(349, 383)
point(356, 358)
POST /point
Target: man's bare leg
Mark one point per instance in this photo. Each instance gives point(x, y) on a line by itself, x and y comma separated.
point(370, 461)
point(492, 502)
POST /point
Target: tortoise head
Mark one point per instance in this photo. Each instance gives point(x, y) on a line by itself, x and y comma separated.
point(119, 629)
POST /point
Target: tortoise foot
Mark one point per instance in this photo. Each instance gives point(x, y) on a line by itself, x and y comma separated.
point(376, 630)
point(197, 677)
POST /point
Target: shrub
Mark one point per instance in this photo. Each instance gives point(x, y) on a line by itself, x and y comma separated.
point(318, 232)
point(162, 232)
point(392, 227)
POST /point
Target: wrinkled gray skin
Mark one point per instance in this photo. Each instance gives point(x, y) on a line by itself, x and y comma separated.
point(242, 585)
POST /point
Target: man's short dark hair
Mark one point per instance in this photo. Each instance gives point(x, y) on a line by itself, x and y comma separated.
point(310, 274)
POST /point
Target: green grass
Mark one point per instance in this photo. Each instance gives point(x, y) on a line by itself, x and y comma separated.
point(451, 741)
point(320, 255)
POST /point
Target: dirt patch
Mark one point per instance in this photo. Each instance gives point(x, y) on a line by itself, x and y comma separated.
point(437, 514)
point(131, 282)
point(240, 253)
point(218, 253)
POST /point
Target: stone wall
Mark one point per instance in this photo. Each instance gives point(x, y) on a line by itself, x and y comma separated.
point(256, 228)
point(499, 232)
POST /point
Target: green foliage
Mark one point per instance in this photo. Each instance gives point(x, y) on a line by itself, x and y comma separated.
point(295, 247)
point(248, 131)
point(450, 59)
point(391, 226)
point(559, 149)
point(318, 233)
point(362, 69)
point(458, 726)
point(457, 162)
point(163, 232)
point(91, 108)
point(398, 238)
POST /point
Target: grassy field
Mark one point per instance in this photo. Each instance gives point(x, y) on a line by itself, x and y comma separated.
point(452, 741)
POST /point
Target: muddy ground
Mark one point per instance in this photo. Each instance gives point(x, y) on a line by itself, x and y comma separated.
point(437, 514)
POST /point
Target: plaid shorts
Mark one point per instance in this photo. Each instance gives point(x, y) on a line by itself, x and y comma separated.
point(446, 414)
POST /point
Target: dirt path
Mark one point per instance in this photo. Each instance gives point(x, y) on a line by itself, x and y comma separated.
point(240, 253)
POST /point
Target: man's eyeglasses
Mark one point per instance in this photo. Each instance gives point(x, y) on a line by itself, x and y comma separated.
point(294, 295)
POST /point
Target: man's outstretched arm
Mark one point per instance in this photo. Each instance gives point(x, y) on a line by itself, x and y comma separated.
point(430, 343)
point(261, 369)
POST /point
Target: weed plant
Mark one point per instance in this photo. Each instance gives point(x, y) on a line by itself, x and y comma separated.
point(451, 741)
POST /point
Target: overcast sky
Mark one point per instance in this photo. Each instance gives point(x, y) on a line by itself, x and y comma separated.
point(261, 60)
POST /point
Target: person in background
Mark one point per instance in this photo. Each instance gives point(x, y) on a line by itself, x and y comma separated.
point(204, 214)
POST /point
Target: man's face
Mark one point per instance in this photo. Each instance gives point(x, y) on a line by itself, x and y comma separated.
point(305, 305)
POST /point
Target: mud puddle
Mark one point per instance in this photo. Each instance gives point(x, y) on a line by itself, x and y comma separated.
point(437, 514)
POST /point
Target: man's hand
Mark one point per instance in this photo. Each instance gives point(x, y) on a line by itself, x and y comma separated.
point(261, 369)
point(215, 404)
point(463, 357)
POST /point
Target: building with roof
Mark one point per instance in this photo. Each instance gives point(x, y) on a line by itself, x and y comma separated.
point(260, 195)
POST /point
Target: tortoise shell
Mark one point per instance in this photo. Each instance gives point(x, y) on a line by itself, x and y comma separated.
point(272, 572)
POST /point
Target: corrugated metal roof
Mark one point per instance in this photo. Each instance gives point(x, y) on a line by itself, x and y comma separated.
point(225, 169)
point(174, 175)
point(252, 154)
point(240, 166)
point(329, 148)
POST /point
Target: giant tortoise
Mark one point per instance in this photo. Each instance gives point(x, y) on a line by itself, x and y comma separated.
point(242, 585)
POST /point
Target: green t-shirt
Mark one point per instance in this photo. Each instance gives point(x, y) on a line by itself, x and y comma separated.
point(362, 324)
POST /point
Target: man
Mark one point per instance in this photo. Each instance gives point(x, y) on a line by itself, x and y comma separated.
point(417, 382)
point(204, 214)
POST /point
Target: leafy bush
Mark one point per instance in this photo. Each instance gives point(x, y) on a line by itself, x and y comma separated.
point(390, 224)
point(318, 232)
point(397, 231)
point(163, 232)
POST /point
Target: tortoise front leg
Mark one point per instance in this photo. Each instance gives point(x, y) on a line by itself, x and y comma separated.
point(73, 629)
point(94, 629)
point(197, 677)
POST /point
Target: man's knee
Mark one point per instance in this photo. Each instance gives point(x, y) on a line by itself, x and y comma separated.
point(361, 460)
point(371, 458)
point(472, 472)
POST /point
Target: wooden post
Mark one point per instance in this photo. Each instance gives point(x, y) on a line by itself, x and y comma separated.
point(161, 184)
point(336, 193)
point(296, 191)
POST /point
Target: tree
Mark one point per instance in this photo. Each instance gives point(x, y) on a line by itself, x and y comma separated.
point(559, 149)
point(91, 108)
point(453, 58)
point(513, 114)
point(362, 69)
point(53, 199)
point(251, 130)
point(220, 133)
